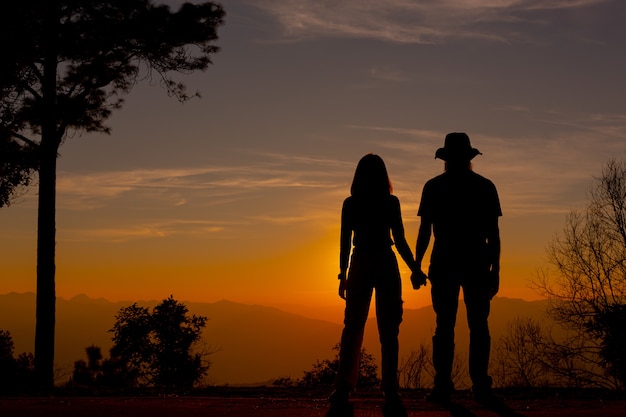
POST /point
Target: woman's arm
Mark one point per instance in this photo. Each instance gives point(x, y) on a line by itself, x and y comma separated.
point(345, 246)
point(397, 231)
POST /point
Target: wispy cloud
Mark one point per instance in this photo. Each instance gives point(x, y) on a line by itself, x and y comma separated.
point(278, 190)
point(406, 21)
point(282, 220)
point(149, 229)
point(535, 174)
point(92, 190)
point(390, 74)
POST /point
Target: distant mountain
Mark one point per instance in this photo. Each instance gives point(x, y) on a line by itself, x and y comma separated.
point(252, 343)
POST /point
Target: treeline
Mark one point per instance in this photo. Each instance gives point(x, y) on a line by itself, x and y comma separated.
point(160, 349)
point(528, 355)
point(152, 349)
point(16, 373)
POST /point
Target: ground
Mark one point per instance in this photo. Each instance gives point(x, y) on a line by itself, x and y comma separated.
point(268, 404)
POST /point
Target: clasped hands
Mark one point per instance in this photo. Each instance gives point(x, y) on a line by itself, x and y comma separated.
point(418, 278)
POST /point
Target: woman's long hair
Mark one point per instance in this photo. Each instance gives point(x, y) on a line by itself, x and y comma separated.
point(370, 177)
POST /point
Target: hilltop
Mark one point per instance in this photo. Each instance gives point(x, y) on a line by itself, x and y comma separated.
point(252, 343)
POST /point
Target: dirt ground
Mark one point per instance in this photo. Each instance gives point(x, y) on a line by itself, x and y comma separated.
point(291, 407)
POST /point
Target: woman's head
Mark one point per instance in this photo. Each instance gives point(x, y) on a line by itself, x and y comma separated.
point(370, 177)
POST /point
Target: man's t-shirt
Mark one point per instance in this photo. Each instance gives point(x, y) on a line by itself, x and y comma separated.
point(460, 205)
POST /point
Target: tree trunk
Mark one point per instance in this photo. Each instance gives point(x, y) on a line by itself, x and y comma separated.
point(46, 294)
point(46, 223)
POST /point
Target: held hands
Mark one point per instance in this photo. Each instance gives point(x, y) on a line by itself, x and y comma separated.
point(418, 279)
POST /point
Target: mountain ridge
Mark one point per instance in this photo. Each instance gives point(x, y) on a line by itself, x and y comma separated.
point(251, 342)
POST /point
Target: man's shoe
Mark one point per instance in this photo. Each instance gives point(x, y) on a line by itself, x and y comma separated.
point(340, 410)
point(439, 396)
point(486, 398)
point(339, 405)
point(393, 406)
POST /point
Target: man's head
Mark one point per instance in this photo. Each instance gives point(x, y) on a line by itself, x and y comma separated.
point(457, 149)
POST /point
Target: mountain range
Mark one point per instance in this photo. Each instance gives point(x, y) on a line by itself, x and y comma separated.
point(250, 343)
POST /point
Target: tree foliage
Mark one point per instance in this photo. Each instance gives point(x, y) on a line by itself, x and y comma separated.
point(89, 372)
point(323, 372)
point(18, 163)
point(16, 374)
point(587, 289)
point(66, 66)
point(156, 348)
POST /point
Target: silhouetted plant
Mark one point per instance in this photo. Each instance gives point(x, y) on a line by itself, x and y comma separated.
point(89, 372)
point(7, 362)
point(175, 333)
point(24, 372)
point(414, 369)
point(18, 162)
point(16, 374)
point(284, 382)
point(131, 352)
point(613, 345)
point(588, 289)
point(520, 356)
point(323, 372)
point(156, 348)
point(417, 371)
point(65, 66)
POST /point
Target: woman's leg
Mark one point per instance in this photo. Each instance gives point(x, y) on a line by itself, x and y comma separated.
point(477, 303)
point(358, 297)
point(389, 316)
point(445, 298)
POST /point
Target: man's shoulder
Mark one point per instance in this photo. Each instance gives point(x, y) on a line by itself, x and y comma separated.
point(482, 180)
point(469, 178)
point(436, 180)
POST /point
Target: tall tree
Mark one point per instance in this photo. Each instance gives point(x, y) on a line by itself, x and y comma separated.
point(65, 67)
point(588, 289)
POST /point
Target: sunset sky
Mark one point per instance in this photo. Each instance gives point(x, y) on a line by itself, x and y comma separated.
point(237, 195)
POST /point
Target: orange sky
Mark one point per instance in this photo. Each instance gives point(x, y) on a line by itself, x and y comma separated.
point(237, 195)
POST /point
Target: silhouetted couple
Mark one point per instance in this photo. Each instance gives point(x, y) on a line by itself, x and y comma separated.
point(460, 209)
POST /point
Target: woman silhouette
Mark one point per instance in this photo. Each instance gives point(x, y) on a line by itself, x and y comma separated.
point(367, 218)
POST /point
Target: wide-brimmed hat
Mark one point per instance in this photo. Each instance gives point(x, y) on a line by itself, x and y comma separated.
point(457, 147)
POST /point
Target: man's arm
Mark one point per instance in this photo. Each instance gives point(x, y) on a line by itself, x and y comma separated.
point(423, 240)
point(418, 278)
point(493, 251)
point(397, 232)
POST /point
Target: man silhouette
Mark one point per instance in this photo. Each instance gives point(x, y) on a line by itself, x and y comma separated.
point(461, 209)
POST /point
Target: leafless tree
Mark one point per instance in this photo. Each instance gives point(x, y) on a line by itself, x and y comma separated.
point(415, 368)
point(417, 371)
point(518, 358)
point(587, 286)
